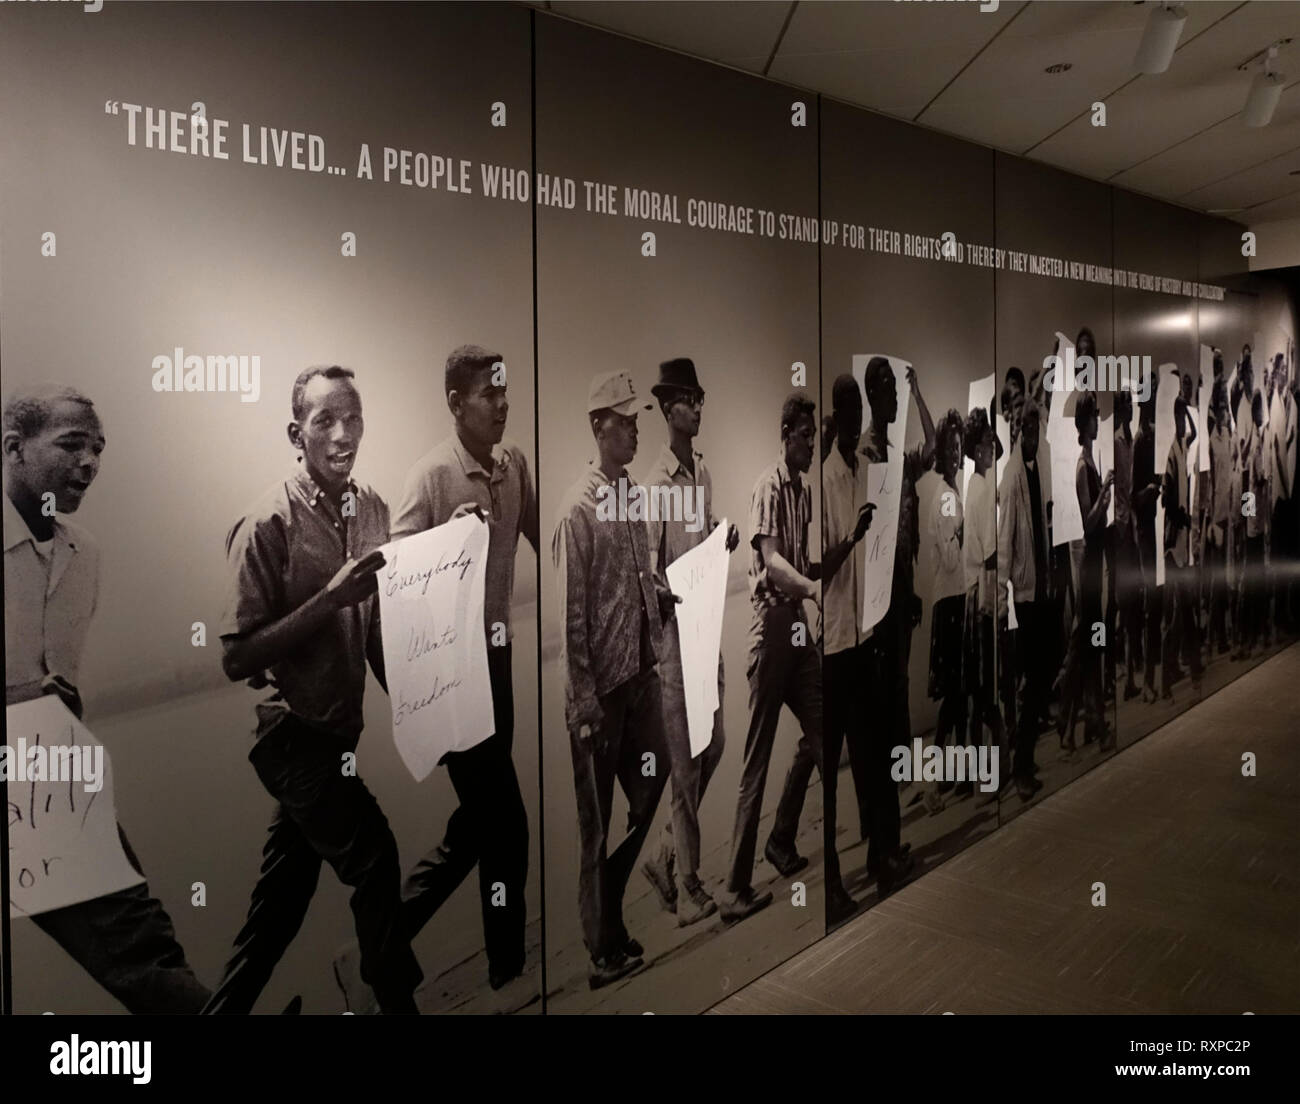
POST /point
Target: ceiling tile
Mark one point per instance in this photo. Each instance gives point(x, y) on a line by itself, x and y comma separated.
point(890, 57)
point(1006, 99)
point(738, 32)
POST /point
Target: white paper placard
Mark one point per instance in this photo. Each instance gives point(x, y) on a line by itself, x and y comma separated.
point(63, 841)
point(699, 578)
point(884, 489)
point(435, 648)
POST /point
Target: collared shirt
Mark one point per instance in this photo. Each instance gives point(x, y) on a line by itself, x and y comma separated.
point(780, 508)
point(607, 597)
point(844, 493)
point(278, 555)
point(447, 476)
point(48, 603)
point(1221, 475)
point(669, 537)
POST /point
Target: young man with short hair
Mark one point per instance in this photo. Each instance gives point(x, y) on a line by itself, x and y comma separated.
point(678, 465)
point(473, 470)
point(784, 661)
point(301, 620)
point(52, 443)
point(613, 610)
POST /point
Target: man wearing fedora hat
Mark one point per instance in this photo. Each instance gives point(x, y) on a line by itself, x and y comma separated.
point(679, 465)
point(613, 611)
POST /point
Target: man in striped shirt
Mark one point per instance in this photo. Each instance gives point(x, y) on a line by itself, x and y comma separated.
point(784, 666)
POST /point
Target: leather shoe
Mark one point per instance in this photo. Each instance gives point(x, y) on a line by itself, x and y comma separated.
point(744, 904)
point(786, 862)
point(892, 874)
point(607, 970)
point(839, 906)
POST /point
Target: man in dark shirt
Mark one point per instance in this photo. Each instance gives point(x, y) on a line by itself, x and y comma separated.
point(1146, 487)
point(301, 620)
point(1024, 558)
point(889, 646)
point(613, 613)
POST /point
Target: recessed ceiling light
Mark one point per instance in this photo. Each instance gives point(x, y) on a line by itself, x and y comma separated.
point(1059, 67)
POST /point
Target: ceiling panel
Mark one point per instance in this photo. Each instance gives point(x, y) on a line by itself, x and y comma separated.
point(890, 57)
point(1283, 208)
point(1251, 187)
point(1201, 89)
point(1005, 99)
point(738, 32)
point(1219, 152)
point(980, 75)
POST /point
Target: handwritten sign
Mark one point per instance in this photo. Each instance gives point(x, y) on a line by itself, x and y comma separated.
point(885, 484)
point(1063, 443)
point(699, 578)
point(435, 648)
point(63, 841)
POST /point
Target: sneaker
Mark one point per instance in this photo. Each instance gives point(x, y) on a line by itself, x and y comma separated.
point(358, 997)
point(607, 970)
point(742, 905)
point(694, 905)
point(659, 874)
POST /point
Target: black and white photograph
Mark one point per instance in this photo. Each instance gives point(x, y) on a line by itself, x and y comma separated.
point(277, 336)
point(556, 508)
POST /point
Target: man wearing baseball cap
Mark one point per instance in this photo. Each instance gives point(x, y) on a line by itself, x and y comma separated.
point(613, 612)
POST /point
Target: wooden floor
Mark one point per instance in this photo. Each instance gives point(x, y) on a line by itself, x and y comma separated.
point(1201, 868)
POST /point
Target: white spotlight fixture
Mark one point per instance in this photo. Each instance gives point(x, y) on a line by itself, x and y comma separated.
point(1160, 39)
point(1265, 89)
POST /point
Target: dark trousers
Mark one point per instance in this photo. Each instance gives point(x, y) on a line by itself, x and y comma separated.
point(846, 726)
point(1254, 592)
point(488, 828)
point(884, 818)
point(631, 725)
point(125, 941)
point(1151, 603)
point(1216, 567)
point(781, 673)
point(1128, 599)
point(1181, 633)
point(323, 814)
point(1283, 540)
point(1036, 627)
